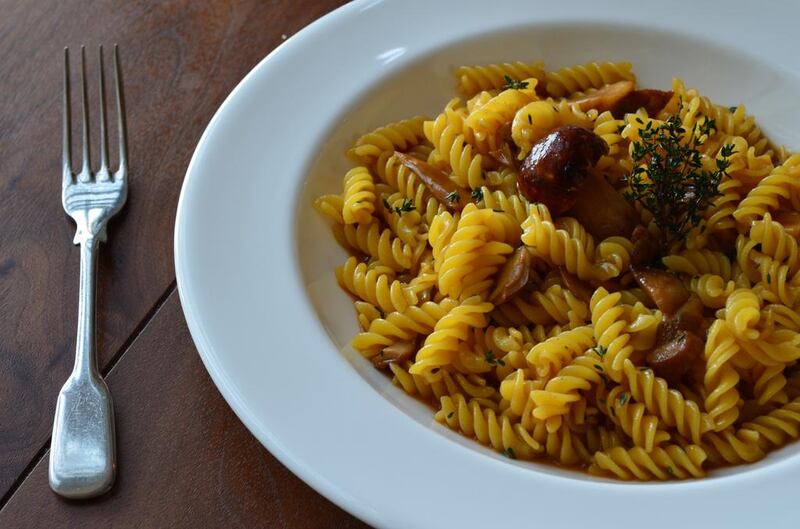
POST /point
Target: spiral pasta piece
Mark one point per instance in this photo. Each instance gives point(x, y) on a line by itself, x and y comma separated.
point(778, 426)
point(639, 426)
point(775, 242)
point(331, 206)
point(582, 77)
point(400, 326)
point(721, 378)
point(375, 285)
point(769, 383)
point(712, 290)
point(609, 331)
point(781, 184)
point(732, 446)
point(698, 262)
point(670, 462)
point(550, 356)
point(488, 119)
point(444, 342)
point(515, 205)
point(446, 133)
point(718, 217)
point(557, 247)
point(398, 136)
point(359, 196)
point(475, 252)
point(487, 427)
point(743, 312)
point(379, 244)
point(474, 79)
point(666, 403)
point(553, 402)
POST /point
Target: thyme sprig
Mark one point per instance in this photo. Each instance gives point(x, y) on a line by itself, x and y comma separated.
point(669, 179)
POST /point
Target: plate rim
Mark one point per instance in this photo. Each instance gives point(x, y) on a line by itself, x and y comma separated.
point(210, 359)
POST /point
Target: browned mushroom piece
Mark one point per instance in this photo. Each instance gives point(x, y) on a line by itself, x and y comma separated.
point(653, 101)
point(688, 317)
point(555, 169)
point(667, 291)
point(397, 352)
point(673, 359)
point(438, 183)
point(580, 288)
point(605, 97)
point(513, 277)
point(645, 247)
point(602, 210)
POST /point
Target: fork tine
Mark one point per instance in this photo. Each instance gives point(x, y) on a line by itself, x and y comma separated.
point(122, 172)
point(85, 173)
point(102, 174)
point(66, 153)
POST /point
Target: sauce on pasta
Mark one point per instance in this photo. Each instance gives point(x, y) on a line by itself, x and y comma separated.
point(512, 267)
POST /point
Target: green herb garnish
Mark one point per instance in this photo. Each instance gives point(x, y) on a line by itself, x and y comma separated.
point(512, 83)
point(477, 194)
point(450, 415)
point(623, 398)
point(769, 279)
point(453, 197)
point(670, 471)
point(669, 180)
point(407, 205)
point(509, 453)
point(492, 361)
point(601, 350)
point(732, 109)
point(598, 367)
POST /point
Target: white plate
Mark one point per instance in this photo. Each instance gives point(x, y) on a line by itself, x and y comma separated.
point(255, 263)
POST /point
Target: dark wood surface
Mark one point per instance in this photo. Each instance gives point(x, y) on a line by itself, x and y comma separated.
point(185, 460)
point(181, 464)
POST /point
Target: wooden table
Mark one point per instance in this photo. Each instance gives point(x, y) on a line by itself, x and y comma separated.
point(189, 462)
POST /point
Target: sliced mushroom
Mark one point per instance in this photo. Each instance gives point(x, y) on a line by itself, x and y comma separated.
point(653, 101)
point(602, 210)
point(606, 97)
point(645, 247)
point(513, 277)
point(689, 317)
point(397, 352)
point(673, 359)
point(555, 169)
point(581, 289)
point(667, 291)
point(438, 183)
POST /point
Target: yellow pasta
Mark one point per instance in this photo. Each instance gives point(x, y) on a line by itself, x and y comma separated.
point(398, 136)
point(640, 427)
point(582, 77)
point(580, 331)
point(473, 79)
point(672, 462)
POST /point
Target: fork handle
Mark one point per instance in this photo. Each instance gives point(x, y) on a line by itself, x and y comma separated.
point(85, 357)
point(83, 450)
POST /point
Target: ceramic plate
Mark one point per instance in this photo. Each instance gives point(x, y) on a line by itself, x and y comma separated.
point(255, 262)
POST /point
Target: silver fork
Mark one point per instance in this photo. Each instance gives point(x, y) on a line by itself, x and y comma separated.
point(83, 452)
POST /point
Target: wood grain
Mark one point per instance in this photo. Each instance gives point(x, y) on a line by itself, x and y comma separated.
point(180, 59)
point(185, 460)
